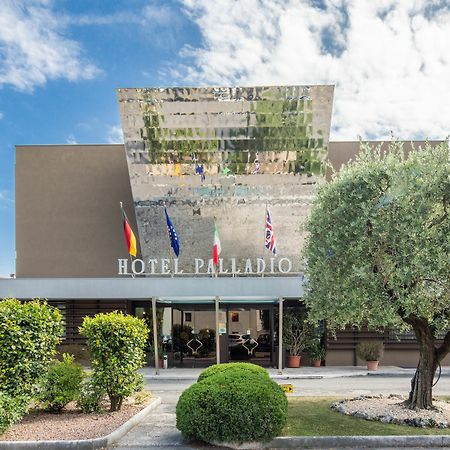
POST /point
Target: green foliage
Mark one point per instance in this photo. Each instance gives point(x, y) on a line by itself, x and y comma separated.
point(61, 384)
point(180, 336)
point(207, 337)
point(141, 397)
point(313, 416)
point(116, 342)
point(29, 332)
point(12, 409)
point(90, 396)
point(233, 406)
point(233, 368)
point(315, 350)
point(378, 249)
point(370, 350)
point(295, 330)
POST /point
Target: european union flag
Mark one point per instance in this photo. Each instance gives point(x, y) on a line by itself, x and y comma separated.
point(174, 242)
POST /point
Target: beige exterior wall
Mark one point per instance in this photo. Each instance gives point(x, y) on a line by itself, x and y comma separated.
point(68, 219)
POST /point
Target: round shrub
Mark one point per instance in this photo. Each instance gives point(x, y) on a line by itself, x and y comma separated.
point(116, 343)
point(234, 406)
point(233, 367)
point(61, 384)
point(29, 332)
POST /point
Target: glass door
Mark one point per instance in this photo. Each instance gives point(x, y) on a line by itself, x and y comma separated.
point(193, 336)
point(250, 334)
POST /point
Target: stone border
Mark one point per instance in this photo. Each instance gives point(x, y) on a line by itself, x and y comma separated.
point(359, 442)
point(84, 444)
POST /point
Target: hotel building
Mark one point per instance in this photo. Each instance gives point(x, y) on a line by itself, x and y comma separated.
point(209, 156)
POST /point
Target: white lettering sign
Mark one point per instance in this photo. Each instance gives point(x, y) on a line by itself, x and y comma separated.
point(231, 266)
point(123, 266)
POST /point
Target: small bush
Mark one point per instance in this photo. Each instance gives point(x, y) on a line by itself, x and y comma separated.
point(29, 332)
point(61, 384)
point(239, 368)
point(12, 409)
point(233, 406)
point(370, 350)
point(116, 343)
point(142, 397)
point(90, 396)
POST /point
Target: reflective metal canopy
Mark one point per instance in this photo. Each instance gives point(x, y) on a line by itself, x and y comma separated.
point(171, 290)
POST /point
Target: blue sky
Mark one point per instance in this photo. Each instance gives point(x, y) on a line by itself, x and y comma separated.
point(61, 61)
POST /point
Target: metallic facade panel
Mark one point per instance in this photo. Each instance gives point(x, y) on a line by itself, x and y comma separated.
point(223, 154)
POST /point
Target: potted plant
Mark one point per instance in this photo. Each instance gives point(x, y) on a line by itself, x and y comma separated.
point(371, 352)
point(316, 352)
point(294, 335)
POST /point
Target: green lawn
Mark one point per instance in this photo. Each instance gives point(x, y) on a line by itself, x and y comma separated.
point(312, 416)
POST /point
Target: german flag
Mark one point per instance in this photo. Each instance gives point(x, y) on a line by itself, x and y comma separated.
point(130, 238)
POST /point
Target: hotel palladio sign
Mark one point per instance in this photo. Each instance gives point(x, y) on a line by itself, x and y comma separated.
point(230, 267)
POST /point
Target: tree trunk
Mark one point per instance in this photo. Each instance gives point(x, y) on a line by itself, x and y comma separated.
point(116, 402)
point(421, 394)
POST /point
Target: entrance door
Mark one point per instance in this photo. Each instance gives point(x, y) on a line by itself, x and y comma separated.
point(250, 334)
point(193, 342)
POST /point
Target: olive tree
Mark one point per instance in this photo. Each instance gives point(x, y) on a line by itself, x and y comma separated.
point(377, 253)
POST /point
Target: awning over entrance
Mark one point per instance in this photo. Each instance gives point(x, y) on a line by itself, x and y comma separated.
point(169, 290)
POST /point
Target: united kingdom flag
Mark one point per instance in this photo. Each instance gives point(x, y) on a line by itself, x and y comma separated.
point(271, 244)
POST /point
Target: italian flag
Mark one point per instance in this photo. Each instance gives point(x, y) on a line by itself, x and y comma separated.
point(217, 248)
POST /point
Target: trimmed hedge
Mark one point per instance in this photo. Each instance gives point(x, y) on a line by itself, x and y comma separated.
point(29, 332)
point(236, 405)
point(233, 367)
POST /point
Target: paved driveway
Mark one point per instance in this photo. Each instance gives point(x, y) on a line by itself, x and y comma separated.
point(158, 430)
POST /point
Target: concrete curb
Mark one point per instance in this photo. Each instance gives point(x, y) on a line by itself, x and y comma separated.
point(289, 377)
point(273, 377)
point(84, 444)
point(358, 442)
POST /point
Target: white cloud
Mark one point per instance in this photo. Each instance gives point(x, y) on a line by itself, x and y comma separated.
point(71, 140)
point(114, 135)
point(107, 19)
point(389, 59)
point(5, 198)
point(2, 114)
point(158, 15)
point(33, 49)
point(149, 16)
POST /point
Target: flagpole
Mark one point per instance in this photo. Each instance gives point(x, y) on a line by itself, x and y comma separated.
point(264, 236)
point(215, 269)
point(131, 259)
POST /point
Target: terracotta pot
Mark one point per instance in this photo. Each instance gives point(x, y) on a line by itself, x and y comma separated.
point(316, 362)
point(293, 361)
point(372, 365)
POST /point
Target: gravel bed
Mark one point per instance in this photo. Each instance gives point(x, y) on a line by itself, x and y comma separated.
point(71, 423)
point(391, 409)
